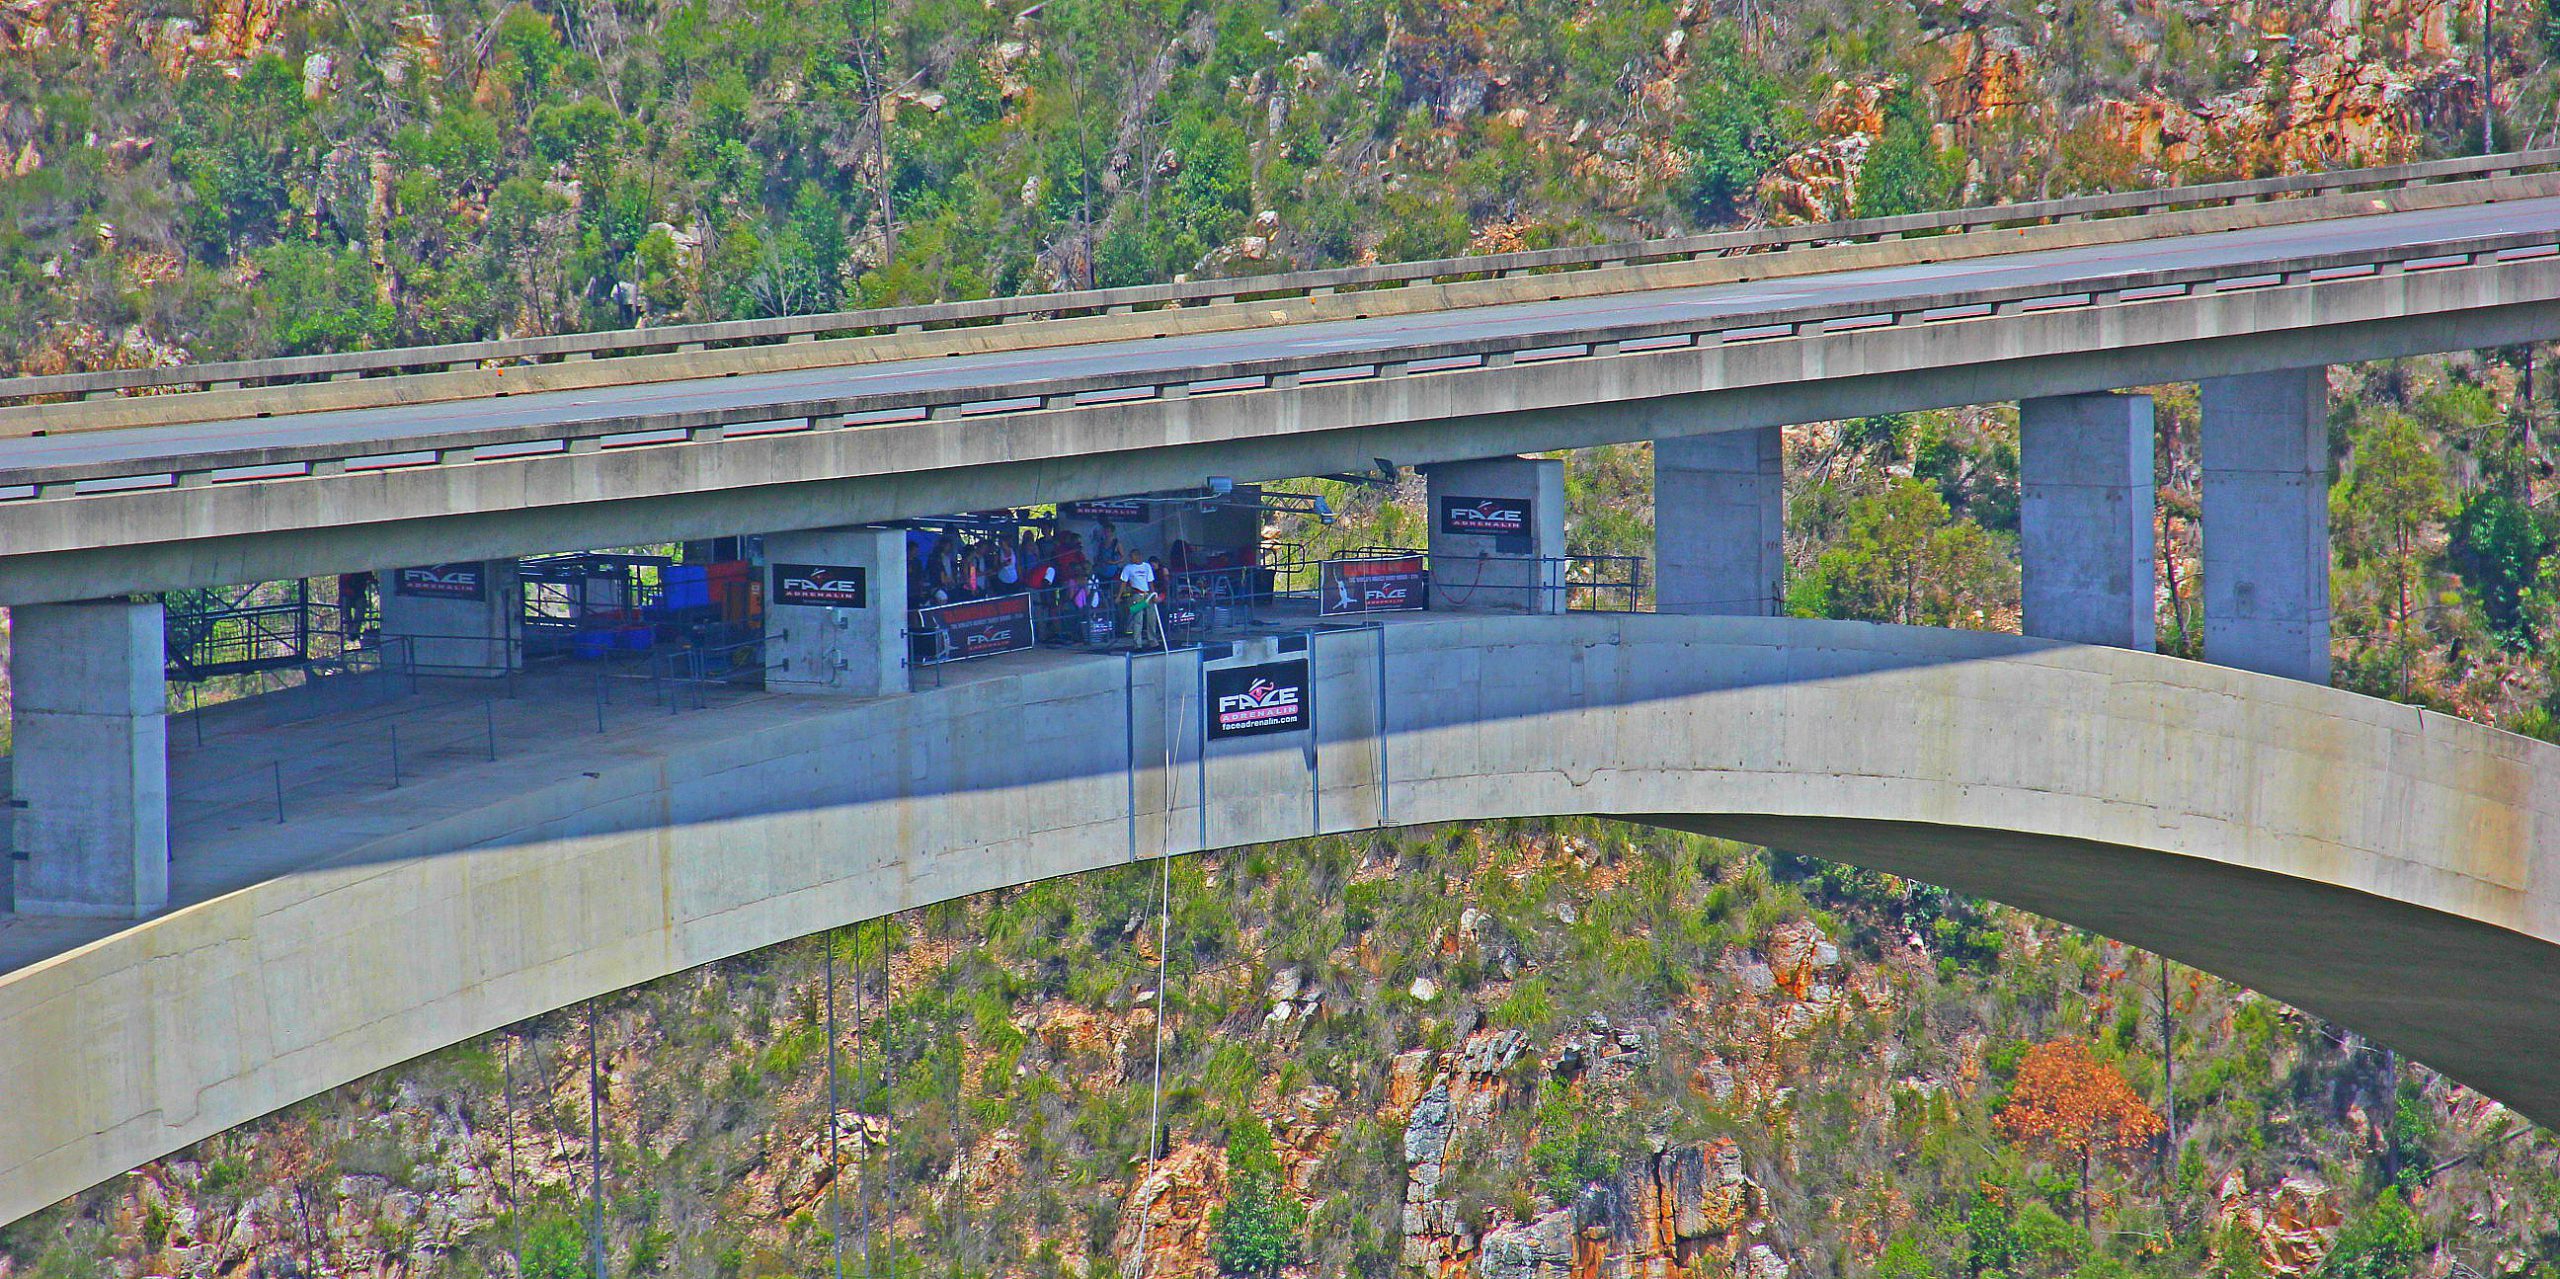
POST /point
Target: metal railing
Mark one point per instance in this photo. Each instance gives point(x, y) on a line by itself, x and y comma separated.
point(694, 670)
point(908, 319)
point(1542, 584)
point(538, 440)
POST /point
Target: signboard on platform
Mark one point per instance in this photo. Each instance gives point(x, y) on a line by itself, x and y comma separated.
point(1120, 510)
point(982, 628)
point(1389, 584)
point(1269, 697)
point(468, 580)
point(822, 585)
point(1485, 516)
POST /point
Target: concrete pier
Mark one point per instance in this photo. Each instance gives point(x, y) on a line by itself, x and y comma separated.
point(2084, 519)
point(464, 619)
point(1719, 520)
point(2266, 523)
point(90, 774)
point(1497, 535)
point(835, 611)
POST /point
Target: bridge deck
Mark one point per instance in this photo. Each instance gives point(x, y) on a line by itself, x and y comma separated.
point(2058, 268)
point(324, 754)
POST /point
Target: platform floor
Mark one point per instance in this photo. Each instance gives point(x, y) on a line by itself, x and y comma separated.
point(290, 781)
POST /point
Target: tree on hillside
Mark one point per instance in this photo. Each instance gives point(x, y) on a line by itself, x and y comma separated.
point(1904, 556)
point(1905, 170)
point(2081, 1108)
point(1732, 132)
point(2384, 1243)
point(2391, 497)
point(1255, 1232)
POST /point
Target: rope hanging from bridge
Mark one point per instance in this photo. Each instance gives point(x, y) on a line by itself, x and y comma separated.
point(862, 1173)
point(595, 1137)
point(835, 1161)
point(1164, 936)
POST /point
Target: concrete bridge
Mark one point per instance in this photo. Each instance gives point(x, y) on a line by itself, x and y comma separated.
point(2379, 865)
point(2390, 868)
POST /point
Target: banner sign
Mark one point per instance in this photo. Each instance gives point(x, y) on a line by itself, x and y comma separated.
point(1495, 516)
point(1126, 510)
point(822, 585)
point(464, 581)
point(1182, 614)
point(1395, 584)
point(983, 628)
point(1248, 701)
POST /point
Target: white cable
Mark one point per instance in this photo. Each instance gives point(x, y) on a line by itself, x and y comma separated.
point(1164, 932)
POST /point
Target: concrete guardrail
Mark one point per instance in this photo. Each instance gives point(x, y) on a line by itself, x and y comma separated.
point(908, 319)
point(532, 440)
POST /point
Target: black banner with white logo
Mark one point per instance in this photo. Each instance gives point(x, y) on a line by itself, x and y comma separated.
point(1119, 511)
point(982, 628)
point(464, 581)
point(1485, 516)
point(1395, 584)
point(1248, 701)
point(822, 585)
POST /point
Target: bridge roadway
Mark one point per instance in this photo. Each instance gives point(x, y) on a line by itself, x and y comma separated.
point(2053, 270)
point(88, 513)
point(2392, 869)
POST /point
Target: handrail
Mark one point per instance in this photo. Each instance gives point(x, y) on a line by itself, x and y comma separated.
point(537, 440)
point(801, 328)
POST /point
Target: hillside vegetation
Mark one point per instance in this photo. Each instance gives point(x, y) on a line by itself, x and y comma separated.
point(279, 176)
point(1521, 1051)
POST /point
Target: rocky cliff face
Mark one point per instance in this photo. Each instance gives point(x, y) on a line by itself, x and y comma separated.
point(2319, 86)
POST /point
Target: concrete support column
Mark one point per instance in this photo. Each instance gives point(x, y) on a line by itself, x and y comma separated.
point(1497, 535)
point(2084, 519)
point(462, 620)
point(836, 611)
point(91, 759)
point(1719, 523)
point(2266, 523)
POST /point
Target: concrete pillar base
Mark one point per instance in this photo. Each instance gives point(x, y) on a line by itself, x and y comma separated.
point(91, 760)
point(1497, 535)
point(2084, 520)
point(2266, 523)
point(455, 620)
point(1719, 521)
point(855, 646)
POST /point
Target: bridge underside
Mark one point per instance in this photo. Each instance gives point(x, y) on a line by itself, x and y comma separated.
point(2462, 997)
point(2382, 866)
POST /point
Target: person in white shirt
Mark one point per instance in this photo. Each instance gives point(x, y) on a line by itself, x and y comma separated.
point(1146, 622)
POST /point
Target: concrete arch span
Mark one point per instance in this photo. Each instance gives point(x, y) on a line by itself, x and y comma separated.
point(2386, 867)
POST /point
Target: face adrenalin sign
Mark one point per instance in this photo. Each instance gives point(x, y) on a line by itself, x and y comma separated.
point(1127, 510)
point(821, 585)
point(1389, 584)
point(1495, 516)
point(464, 581)
point(983, 628)
point(1248, 701)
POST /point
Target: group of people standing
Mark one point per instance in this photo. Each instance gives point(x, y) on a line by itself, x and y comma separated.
point(1074, 578)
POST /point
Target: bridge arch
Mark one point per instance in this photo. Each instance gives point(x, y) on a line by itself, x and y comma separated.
point(2386, 867)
